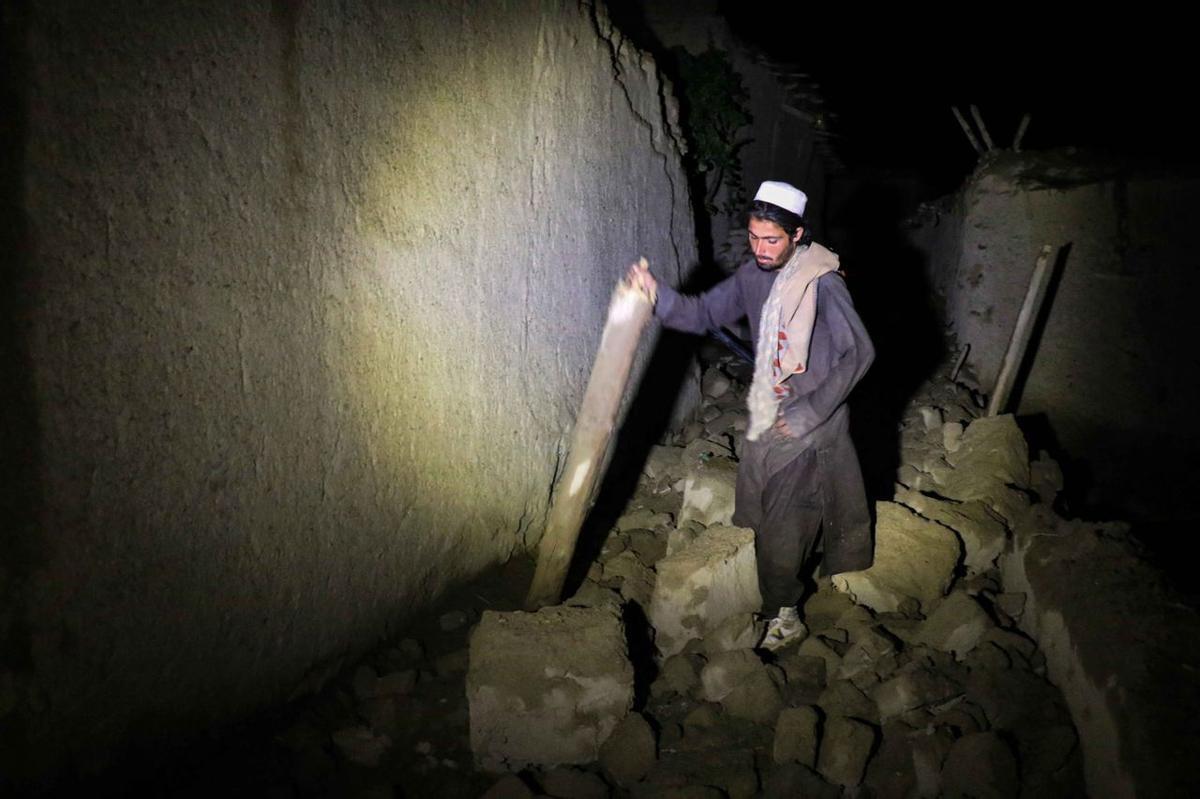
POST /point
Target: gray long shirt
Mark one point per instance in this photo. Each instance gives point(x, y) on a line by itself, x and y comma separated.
point(840, 352)
point(839, 355)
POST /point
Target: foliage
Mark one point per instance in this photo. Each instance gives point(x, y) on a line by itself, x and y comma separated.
point(714, 108)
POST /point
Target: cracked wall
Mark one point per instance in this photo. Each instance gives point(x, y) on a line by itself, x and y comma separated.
point(309, 295)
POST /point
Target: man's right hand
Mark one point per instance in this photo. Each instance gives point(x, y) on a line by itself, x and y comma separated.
point(639, 277)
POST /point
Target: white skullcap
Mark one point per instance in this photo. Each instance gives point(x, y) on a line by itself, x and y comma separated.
point(785, 195)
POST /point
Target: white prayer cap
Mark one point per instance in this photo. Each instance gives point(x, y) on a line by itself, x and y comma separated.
point(785, 195)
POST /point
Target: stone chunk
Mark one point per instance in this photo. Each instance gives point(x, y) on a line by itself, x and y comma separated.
point(956, 625)
point(407, 652)
point(573, 783)
point(914, 557)
point(663, 464)
point(649, 546)
point(708, 492)
point(630, 752)
point(796, 735)
point(636, 580)
point(842, 698)
point(804, 672)
point(816, 648)
point(988, 656)
point(825, 607)
point(1011, 604)
point(1046, 478)
point(680, 538)
point(726, 773)
point(548, 687)
point(643, 519)
point(981, 765)
point(890, 774)
point(756, 698)
point(510, 786)
point(728, 423)
point(396, 683)
point(983, 534)
point(726, 671)
point(1018, 646)
point(992, 455)
point(952, 433)
point(679, 674)
point(793, 779)
point(452, 620)
point(929, 750)
point(714, 384)
point(845, 749)
point(911, 689)
point(739, 631)
point(869, 647)
point(594, 595)
point(1016, 701)
point(701, 586)
point(701, 451)
point(452, 664)
point(994, 445)
point(361, 745)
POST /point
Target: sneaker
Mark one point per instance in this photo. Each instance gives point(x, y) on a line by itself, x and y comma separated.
point(784, 630)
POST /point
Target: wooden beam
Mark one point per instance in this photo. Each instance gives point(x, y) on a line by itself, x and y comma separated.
point(1022, 331)
point(1020, 133)
point(983, 131)
point(628, 314)
point(966, 129)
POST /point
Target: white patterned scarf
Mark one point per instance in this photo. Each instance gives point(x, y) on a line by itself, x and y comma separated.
point(785, 333)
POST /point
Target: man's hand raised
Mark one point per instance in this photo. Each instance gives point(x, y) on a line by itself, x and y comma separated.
point(639, 277)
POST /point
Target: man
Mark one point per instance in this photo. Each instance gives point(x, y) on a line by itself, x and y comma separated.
point(799, 482)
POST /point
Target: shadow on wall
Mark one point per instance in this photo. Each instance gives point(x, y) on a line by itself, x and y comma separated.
point(21, 545)
point(887, 279)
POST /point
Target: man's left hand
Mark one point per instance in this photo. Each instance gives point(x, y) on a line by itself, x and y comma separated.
point(782, 428)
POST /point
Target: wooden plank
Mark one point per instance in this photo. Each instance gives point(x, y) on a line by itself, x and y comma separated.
point(628, 314)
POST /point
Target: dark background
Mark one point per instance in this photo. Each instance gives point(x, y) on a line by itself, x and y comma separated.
point(1122, 84)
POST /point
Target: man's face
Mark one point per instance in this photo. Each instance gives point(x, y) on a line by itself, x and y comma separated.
point(770, 243)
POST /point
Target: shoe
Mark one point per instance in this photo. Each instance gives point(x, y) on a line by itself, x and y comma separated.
point(784, 630)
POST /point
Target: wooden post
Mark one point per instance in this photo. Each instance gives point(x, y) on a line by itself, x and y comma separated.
point(1020, 133)
point(966, 129)
point(1022, 331)
point(983, 131)
point(958, 364)
point(628, 314)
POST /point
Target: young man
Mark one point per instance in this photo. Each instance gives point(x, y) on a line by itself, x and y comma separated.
point(799, 482)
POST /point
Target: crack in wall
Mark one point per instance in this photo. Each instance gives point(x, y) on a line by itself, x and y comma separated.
point(615, 43)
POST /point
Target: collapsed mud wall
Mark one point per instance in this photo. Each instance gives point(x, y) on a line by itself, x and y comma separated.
point(1105, 371)
point(1118, 640)
point(308, 298)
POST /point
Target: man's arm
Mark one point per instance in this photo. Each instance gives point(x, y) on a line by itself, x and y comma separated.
point(855, 352)
point(719, 306)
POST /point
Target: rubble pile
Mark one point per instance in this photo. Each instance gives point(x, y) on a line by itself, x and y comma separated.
point(914, 679)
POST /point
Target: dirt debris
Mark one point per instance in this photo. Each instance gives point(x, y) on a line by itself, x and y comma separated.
point(914, 687)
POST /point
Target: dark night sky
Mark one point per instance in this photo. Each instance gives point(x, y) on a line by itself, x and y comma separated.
point(1121, 85)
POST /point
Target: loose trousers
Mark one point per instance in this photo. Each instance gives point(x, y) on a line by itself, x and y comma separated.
point(814, 500)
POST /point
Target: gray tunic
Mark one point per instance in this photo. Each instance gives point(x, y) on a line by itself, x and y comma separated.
point(788, 488)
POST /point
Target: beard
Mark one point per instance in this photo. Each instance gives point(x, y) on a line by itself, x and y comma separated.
point(770, 264)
